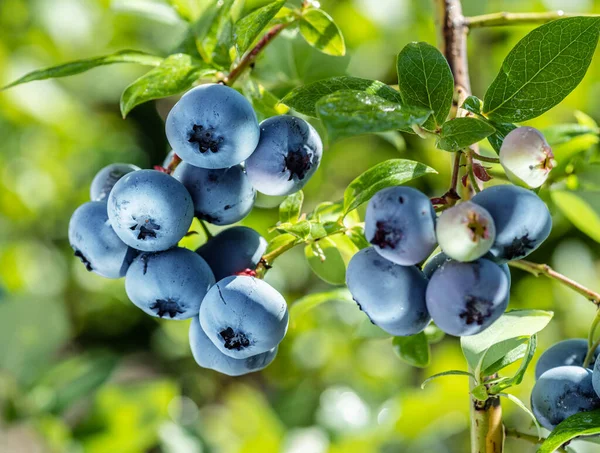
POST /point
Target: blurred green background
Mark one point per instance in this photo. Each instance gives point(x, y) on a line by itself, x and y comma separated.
point(83, 370)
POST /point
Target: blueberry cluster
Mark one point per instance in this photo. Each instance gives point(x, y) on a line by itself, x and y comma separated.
point(465, 287)
point(136, 218)
point(564, 387)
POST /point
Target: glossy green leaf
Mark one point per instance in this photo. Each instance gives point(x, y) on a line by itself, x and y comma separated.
point(582, 209)
point(350, 112)
point(581, 424)
point(304, 99)
point(513, 324)
point(328, 211)
point(425, 80)
point(393, 172)
point(517, 378)
point(502, 129)
point(327, 261)
point(77, 67)
point(310, 301)
point(216, 43)
point(473, 104)
point(514, 354)
point(542, 69)
point(177, 73)
point(462, 132)
point(282, 241)
point(413, 350)
point(247, 29)
point(446, 373)
point(302, 230)
point(320, 31)
point(434, 334)
point(290, 208)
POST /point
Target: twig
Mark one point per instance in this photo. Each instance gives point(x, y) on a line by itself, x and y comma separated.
point(504, 18)
point(527, 437)
point(492, 160)
point(471, 173)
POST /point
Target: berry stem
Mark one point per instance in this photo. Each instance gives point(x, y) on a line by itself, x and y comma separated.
point(505, 18)
point(206, 231)
point(493, 160)
point(544, 269)
point(589, 357)
point(472, 179)
point(175, 161)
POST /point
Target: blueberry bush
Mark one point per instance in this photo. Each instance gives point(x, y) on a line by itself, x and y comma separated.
point(412, 265)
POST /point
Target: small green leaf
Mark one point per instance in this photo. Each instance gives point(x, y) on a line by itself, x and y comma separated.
point(350, 112)
point(425, 80)
point(177, 73)
point(518, 376)
point(393, 172)
point(265, 103)
point(480, 393)
point(502, 129)
point(310, 301)
point(510, 357)
point(328, 261)
point(215, 44)
point(582, 209)
point(328, 211)
point(542, 69)
point(357, 236)
point(462, 132)
point(434, 334)
point(513, 324)
point(282, 241)
point(77, 67)
point(446, 373)
point(302, 230)
point(304, 99)
point(525, 409)
point(473, 104)
point(581, 424)
point(290, 208)
point(413, 350)
point(320, 31)
point(249, 27)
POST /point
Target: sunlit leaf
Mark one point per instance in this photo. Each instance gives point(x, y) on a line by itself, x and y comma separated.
point(413, 350)
point(462, 132)
point(582, 209)
point(290, 208)
point(247, 29)
point(320, 31)
point(582, 424)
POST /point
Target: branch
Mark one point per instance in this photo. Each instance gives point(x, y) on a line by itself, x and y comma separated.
point(543, 269)
point(504, 18)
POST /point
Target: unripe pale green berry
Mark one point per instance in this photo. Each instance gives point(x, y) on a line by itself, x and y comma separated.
point(526, 157)
point(466, 231)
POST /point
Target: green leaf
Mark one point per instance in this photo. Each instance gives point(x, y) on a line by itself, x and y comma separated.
point(425, 80)
point(582, 209)
point(518, 376)
point(581, 424)
point(216, 43)
point(77, 67)
point(320, 31)
point(393, 172)
point(542, 69)
point(480, 392)
point(328, 211)
point(585, 120)
point(304, 99)
point(302, 230)
point(515, 353)
point(177, 73)
point(502, 129)
point(188, 10)
point(148, 9)
point(446, 373)
point(310, 301)
point(265, 103)
point(434, 334)
point(564, 133)
point(249, 27)
point(282, 241)
point(462, 132)
point(413, 350)
point(473, 104)
point(513, 324)
point(290, 208)
point(328, 258)
point(350, 112)
point(525, 409)
point(357, 236)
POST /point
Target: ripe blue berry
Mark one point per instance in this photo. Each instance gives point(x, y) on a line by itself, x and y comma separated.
point(439, 259)
point(561, 392)
point(233, 250)
point(521, 218)
point(213, 126)
point(221, 196)
point(465, 232)
point(169, 284)
point(596, 375)
point(288, 154)
point(106, 178)
point(244, 316)
point(392, 296)
point(564, 353)
point(207, 355)
point(466, 298)
point(150, 210)
point(400, 223)
point(526, 157)
point(92, 238)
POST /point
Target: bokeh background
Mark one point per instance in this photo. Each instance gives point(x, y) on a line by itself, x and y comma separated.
point(83, 370)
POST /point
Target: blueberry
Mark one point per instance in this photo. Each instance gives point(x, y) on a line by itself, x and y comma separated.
point(244, 316)
point(392, 296)
point(526, 157)
point(169, 284)
point(106, 178)
point(563, 353)
point(150, 210)
point(465, 232)
point(466, 298)
point(207, 355)
point(400, 223)
point(233, 250)
point(561, 392)
point(221, 196)
point(213, 126)
point(596, 374)
point(437, 260)
point(288, 154)
point(95, 242)
point(521, 218)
